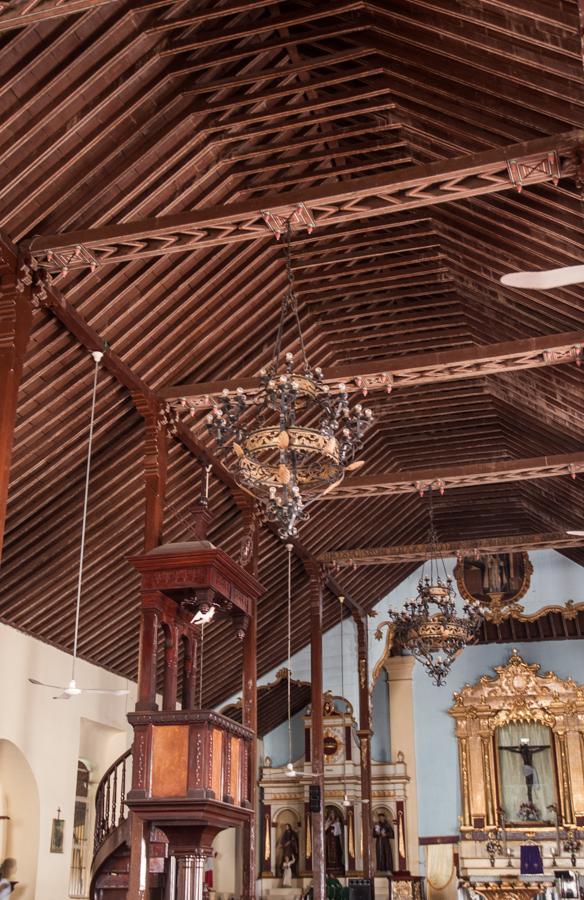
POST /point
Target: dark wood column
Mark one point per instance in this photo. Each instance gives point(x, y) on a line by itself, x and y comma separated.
point(15, 325)
point(155, 469)
point(364, 733)
point(248, 558)
point(317, 735)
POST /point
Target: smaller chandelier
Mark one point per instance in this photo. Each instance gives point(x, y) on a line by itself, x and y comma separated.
point(298, 438)
point(430, 626)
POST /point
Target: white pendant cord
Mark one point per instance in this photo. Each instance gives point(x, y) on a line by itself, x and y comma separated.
point(97, 355)
point(289, 548)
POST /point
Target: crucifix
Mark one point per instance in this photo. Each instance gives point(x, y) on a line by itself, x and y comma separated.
point(529, 771)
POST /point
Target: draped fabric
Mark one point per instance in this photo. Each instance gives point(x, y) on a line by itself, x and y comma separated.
point(527, 773)
point(531, 860)
point(440, 872)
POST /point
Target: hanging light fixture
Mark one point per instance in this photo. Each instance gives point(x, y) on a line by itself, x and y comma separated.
point(430, 626)
point(305, 437)
point(290, 770)
point(346, 801)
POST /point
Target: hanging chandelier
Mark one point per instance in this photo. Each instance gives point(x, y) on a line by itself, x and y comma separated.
point(298, 438)
point(430, 626)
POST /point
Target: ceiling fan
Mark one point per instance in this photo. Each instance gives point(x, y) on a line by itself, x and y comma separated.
point(545, 281)
point(72, 690)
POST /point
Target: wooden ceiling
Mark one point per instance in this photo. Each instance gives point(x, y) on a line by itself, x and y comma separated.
point(153, 133)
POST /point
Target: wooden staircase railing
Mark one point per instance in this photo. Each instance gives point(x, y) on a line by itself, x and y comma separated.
point(110, 799)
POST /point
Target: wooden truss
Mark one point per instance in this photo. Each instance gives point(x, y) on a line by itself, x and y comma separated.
point(420, 480)
point(530, 162)
point(409, 371)
point(419, 552)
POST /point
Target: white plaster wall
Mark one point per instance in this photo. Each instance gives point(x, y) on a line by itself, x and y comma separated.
point(19, 801)
point(53, 734)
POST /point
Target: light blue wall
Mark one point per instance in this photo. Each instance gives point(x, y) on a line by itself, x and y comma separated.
point(380, 742)
point(276, 741)
point(436, 751)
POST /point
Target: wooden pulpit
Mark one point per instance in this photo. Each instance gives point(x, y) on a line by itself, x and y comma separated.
point(191, 767)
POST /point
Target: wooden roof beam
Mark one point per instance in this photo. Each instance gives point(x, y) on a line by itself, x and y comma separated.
point(422, 368)
point(372, 556)
point(417, 480)
point(359, 198)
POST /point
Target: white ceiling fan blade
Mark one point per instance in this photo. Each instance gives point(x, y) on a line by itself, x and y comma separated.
point(545, 281)
point(576, 533)
point(104, 691)
point(56, 687)
point(63, 696)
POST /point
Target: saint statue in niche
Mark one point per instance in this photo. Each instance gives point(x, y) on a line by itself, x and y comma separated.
point(333, 839)
point(527, 772)
point(382, 833)
point(289, 849)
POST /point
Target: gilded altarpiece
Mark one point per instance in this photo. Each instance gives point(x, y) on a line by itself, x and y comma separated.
point(549, 757)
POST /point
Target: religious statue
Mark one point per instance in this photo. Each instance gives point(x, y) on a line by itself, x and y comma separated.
point(333, 834)
point(289, 861)
point(382, 833)
point(529, 772)
point(289, 846)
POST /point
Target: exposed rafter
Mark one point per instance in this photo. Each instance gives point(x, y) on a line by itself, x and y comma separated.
point(540, 160)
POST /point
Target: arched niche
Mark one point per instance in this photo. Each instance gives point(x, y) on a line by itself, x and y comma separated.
point(19, 800)
point(287, 818)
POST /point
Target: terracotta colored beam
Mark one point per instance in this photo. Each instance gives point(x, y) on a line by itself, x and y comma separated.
point(419, 480)
point(408, 371)
point(530, 162)
point(372, 556)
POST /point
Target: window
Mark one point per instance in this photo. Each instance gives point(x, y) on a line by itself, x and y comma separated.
point(78, 872)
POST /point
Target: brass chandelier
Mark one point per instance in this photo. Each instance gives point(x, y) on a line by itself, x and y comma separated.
point(430, 626)
point(303, 438)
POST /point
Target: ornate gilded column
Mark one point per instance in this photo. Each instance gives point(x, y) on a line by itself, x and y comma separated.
point(489, 779)
point(564, 778)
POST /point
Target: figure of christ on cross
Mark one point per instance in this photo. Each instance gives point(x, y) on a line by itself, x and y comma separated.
point(527, 753)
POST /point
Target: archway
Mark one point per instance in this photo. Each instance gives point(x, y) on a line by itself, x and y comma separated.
point(19, 800)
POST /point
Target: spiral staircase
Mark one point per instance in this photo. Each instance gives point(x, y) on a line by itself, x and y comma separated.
point(110, 868)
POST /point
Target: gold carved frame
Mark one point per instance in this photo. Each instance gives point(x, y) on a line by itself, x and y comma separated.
point(499, 608)
point(518, 693)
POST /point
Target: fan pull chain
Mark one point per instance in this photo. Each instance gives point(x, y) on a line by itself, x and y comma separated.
point(97, 356)
point(289, 548)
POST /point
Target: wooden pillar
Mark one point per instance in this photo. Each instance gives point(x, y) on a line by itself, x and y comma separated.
point(15, 325)
point(189, 672)
point(170, 666)
point(317, 734)
point(364, 733)
point(155, 469)
point(249, 560)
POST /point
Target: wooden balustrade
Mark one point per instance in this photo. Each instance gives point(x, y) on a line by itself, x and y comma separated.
point(110, 798)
